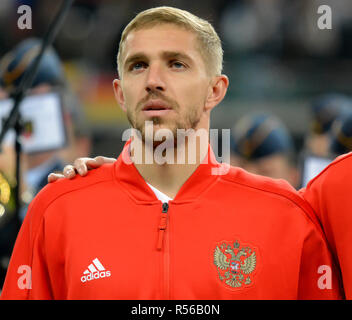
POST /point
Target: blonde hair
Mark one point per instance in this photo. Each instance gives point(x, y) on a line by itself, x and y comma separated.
point(209, 43)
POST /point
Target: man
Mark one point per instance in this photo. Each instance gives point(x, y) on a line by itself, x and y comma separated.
point(325, 109)
point(329, 195)
point(38, 165)
point(318, 151)
point(262, 145)
point(49, 77)
point(341, 135)
point(189, 229)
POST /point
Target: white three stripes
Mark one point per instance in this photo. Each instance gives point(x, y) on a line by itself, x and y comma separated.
point(94, 266)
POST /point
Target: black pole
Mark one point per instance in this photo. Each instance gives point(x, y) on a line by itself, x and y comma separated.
point(31, 72)
point(14, 119)
point(17, 188)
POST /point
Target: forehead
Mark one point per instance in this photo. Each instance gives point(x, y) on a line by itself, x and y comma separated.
point(159, 38)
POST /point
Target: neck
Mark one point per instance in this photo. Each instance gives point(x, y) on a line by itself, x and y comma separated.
point(168, 165)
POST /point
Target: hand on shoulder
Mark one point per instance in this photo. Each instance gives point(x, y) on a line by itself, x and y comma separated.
point(80, 166)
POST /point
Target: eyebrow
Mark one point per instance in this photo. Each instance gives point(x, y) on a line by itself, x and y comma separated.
point(176, 55)
point(139, 56)
point(134, 58)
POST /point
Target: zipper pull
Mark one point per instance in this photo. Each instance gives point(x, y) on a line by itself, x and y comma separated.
point(162, 225)
point(165, 207)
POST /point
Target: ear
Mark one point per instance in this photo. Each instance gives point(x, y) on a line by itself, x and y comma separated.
point(217, 91)
point(119, 94)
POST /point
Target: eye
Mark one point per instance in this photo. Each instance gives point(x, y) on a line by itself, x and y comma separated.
point(137, 66)
point(177, 64)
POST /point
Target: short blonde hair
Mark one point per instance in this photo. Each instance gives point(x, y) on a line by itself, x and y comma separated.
point(209, 43)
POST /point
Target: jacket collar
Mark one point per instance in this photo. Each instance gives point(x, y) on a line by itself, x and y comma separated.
point(130, 180)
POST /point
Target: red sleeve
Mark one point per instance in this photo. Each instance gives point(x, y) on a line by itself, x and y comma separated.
point(329, 195)
point(27, 277)
point(319, 277)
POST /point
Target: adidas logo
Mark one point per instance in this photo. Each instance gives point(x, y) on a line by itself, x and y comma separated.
point(95, 271)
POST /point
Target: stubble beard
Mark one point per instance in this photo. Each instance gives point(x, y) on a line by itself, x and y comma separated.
point(189, 121)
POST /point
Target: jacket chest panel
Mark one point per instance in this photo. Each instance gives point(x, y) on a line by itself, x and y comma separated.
point(185, 266)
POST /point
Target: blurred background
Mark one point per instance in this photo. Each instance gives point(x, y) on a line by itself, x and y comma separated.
point(289, 95)
point(276, 57)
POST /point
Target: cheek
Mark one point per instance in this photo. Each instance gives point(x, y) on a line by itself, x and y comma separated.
point(129, 99)
point(193, 95)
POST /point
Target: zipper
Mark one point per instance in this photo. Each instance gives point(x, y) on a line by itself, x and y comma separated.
point(162, 225)
point(164, 248)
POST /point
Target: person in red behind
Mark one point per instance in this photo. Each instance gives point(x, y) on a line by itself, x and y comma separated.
point(170, 230)
point(329, 194)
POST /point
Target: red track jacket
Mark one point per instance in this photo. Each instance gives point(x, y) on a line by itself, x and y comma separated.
point(107, 236)
point(329, 194)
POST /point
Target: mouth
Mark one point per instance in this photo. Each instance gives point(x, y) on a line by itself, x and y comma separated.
point(156, 108)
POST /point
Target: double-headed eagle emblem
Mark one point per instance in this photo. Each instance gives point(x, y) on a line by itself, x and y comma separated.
point(235, 265)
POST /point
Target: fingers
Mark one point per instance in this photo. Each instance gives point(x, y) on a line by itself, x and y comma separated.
point(98, 161)
point(69, 172)
point(52, 177)
point(80, 165)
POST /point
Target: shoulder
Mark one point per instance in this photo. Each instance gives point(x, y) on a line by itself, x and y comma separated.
point(63, 186)
point(53, 191)
point(333, 173)
point(278, 189)
point(265, 184)
point(331, 186)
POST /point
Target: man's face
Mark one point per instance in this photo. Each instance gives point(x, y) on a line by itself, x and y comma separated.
point(164, 79)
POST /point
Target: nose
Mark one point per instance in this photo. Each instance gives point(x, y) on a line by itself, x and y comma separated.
point(155, 80)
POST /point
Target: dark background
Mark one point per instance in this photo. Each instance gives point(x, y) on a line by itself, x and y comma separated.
point(276, 57)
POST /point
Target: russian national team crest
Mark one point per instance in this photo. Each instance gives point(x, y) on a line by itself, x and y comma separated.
point(236, 264)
